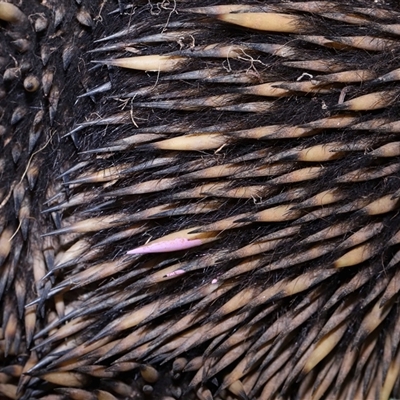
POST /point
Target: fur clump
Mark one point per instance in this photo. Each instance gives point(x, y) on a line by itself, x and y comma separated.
point(246, 155)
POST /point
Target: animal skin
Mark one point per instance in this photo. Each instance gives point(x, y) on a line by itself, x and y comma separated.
point(199, 200)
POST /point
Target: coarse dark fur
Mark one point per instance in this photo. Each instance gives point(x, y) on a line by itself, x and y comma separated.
point(292, 291)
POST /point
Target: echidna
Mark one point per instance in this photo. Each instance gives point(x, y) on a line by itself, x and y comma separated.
point(245, 154)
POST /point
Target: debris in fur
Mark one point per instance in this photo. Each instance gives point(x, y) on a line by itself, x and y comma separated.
point(199, 201)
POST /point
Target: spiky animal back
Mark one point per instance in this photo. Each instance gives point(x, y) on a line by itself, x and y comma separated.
point(259, 143)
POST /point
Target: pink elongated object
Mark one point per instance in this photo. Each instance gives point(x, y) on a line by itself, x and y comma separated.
point(167, 246)
point(175, 273)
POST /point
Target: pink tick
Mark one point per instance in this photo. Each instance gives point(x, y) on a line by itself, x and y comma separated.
point(175, 273)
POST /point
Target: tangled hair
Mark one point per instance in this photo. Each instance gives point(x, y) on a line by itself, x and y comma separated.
point(244, 155)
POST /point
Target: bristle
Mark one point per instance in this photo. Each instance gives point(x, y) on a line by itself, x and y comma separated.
point(199, 201)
